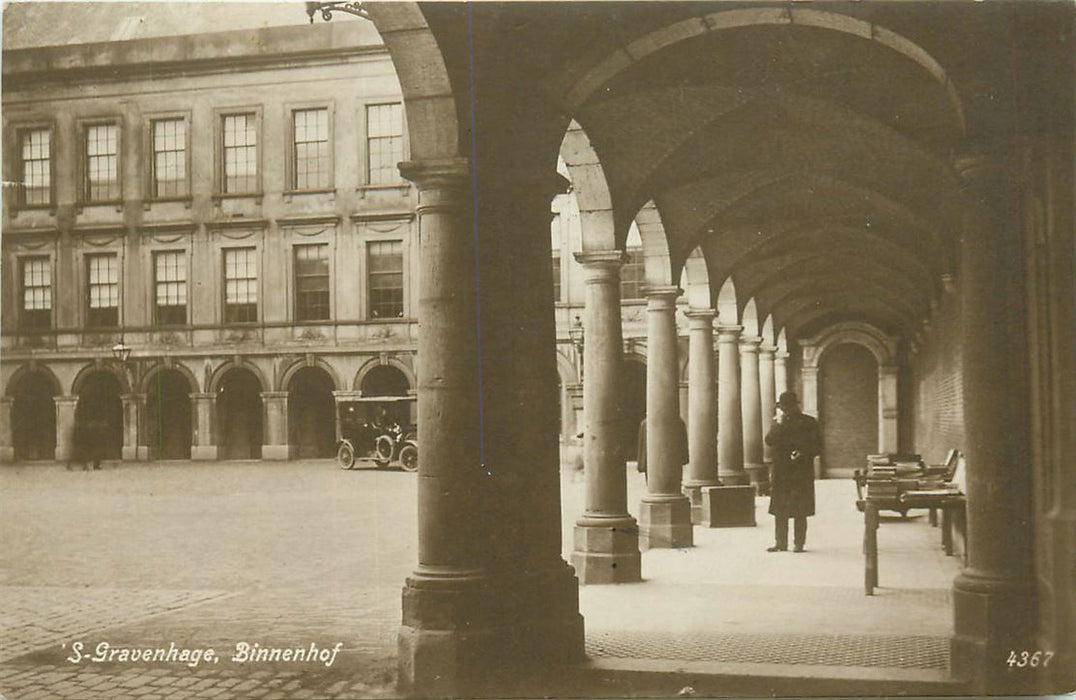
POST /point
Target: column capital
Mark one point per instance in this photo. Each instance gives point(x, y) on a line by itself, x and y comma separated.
point(449, 173)
point(704, 315)
point(728, 334)
point(661, 291)
point(809, 371)
point(601, 266)
point(782, 354)
point(767, 350)
point(661, 299)
point(274, 394)
point(202, 396)
point(750, 343)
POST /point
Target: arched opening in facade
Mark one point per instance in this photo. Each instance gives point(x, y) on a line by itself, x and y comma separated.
point(311, 418)
point(847, 406)
point(384, 380)
point(33, 418)
point(168, 415)
point(632, 405)
point(239, 415)
point(100, 412)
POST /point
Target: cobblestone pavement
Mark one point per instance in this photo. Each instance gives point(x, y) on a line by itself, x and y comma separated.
point(288, 555)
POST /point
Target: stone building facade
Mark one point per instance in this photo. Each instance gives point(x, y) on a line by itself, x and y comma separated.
point(227, 205)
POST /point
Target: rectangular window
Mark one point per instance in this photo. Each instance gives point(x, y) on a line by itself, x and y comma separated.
point(555, 246)
point(35, 167)
point(103, 290)
point(556, 278)
point(633, 275)
point(385, 265)
point(384, 143)
point(239, 149)
point(240, 285)
point(311, 143)
point(36, 293)
point(169, 157)
point(170, 288)
point(312, 282)
point(102, 163)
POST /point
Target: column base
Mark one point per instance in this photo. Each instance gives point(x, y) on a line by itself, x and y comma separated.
point(759, 475)
point(280, 453)
point(734, 478)
point(477, 636)
point(607, 550)
point(665, 523)
point(62, 453)
point(139, 453)
point(991, 618)
point(203, 453)
point(729, 506)
point(693, 490)
point(7, 454)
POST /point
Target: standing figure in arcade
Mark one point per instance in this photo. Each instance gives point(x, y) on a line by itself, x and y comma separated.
point(796, 441)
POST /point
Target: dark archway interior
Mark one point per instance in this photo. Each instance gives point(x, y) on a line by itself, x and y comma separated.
point(311, 413)
point(33, 419)
point(100, 406)
point(848, 404)
point(168, 416)
point(632, 406)
point(384, 380)
point(239, 415)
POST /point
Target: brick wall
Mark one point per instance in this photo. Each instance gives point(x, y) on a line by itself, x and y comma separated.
point(937, 384)
point(848, 404)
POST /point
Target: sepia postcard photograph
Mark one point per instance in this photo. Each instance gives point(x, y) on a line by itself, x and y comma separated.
point(538, 349)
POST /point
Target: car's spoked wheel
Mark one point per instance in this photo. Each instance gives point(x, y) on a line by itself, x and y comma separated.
point(409, 458)
point(346, 456)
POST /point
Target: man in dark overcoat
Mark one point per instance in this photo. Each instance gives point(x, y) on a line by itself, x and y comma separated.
point(796, 441)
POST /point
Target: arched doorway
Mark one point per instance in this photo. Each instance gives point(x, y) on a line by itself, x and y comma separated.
point(99, 402)
point(311, 419)
point(632, 406)
point(848, 404)
point(239, 415)
point(168, 415)
point(33, 419)
point(384, 380)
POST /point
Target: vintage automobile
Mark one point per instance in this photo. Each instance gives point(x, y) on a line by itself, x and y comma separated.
point(377, 431)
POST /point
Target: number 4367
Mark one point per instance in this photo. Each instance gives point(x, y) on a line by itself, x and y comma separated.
point(1026, 658)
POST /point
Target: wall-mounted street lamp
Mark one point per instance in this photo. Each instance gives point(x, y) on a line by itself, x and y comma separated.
point(578, 338)
point(328, 8)
point(121, 352)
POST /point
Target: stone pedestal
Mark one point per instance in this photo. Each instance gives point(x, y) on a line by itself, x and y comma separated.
point(702, 410)
point(665, 513)
point(203, 435)
point(275, 445)
point(729, 506)
point(7, 445)
point(65, 426)
point(730, 461)
point(606, 537)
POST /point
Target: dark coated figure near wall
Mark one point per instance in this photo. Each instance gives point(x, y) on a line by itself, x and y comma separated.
point(796, 441)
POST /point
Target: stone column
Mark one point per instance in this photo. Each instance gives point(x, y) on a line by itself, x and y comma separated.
point(665, 513)
point(767, 394)
point(203, 435)
point(730, 456)
point(888, 409)
point(809, 400)
point(702, 409)
point(275, 431)
point(994, 596)
point(780, 373)
point(7, 445)
point(65, 426)
point(751, 410)
point(606, 537)
point(133, 409)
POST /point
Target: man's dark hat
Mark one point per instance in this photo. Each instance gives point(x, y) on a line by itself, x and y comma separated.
point(788, 399)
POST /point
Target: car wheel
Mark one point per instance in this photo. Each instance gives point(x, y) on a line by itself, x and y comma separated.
point(345, 456)
point(409, 458)
point(383, 449)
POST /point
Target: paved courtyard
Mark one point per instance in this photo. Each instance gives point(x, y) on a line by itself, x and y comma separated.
point(300, 554)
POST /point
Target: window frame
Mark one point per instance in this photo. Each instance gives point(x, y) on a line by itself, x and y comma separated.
point(20, 263)
point(88, 282)
point(154, 305)
point(149, 148)
point(219, 176)
point(398, 180)
point(18, 130)
point(225, 321)
point(636, 258)
point(83, 126)
point(296, 308)
point(291, 170)
point(369, 315)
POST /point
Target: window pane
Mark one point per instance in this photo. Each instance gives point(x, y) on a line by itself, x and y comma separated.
point(102, 163)
point(311, 149)
point(240, 285)
point(36, 309)
point(384, 143)
point(170, 271)
point(385, 265)
point(103, 289)
point(36, 166)
point(169, 158)
point(633, 276)
point(240, 150)
point(312, 282)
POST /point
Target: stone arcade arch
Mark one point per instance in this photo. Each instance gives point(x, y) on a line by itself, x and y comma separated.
point(311, 413)
point(239, 413)
point(884, 349)
point(169, 416)
point(33, 413)
point(100, 406)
